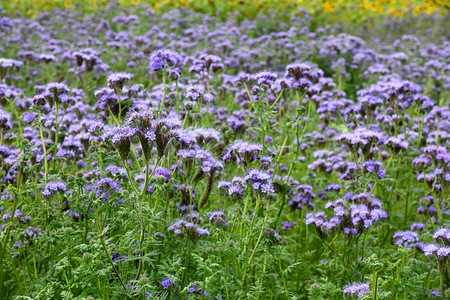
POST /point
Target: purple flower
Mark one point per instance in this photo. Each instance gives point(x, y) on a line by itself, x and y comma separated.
point(260, 181)
point(359, 139)
point(285, 225)
point(241, 151)
point(241, 78)
point(357, 289)
point(333, 187)
point(234, 189)
point(443, 253)
point(164, 58)
point(54, 187)
point(116, 80)
point(443, 234)
point(435, 293)
point(395, 144)
point(298, 70)
point(167, 283)
point(406, 238)
point(47, 58)
point(430, 249)
point(57, 88)
point(106, 185)
point(7, 64)
point(194, 92)
point(209, 164)
point(5, 120)
point(180, 227)
point(120, 137)
point(218, 218)
point(265, 79)
point(417, 226)
point(302, 197)
point(191, 136)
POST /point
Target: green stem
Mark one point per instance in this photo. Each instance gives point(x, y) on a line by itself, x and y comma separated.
point(141, 218)
point(44, 149)
point(100, 232)
point(257, 243)
point(161, 105)
point(5, 242)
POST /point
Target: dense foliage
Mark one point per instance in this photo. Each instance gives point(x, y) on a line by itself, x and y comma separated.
point(177, 156)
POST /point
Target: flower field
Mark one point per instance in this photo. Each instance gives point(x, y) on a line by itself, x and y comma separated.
point(225, 150)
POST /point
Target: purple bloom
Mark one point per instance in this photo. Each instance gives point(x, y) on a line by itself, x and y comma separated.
point(443, 252)
point(218, 219)
point(430, 249)
point(265, 79)
point(194, 92)
point(333, 187)
point(241, 78)
point(5, 120)
point(260, 181)
point(191, 136)
point(285, 225)
point(417, 226)
point(443, 234)
point(359, 139)
point(116, 80)
point(395, 144)
point(164, 58)
point(167, 283)
point(209, 164)
point(120, 137)
point(180, 227)
point(54, 187)
point(357, 289)
point(435, 293)
point(241, 151)
point(406, 238)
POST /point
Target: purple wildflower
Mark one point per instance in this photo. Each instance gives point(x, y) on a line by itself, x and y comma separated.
point(54, 187)
point(357, 289)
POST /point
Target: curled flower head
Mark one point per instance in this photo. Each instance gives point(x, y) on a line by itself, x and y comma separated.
point(5, 120)
point(357, 289)
point(298, 70)
point(180, 227)
point(57, 88)
point(7, 64)
point(164, 58)
point(120, 137)
point(117, 80)
point(265, 79)
point(194, 92)
point(54, 187)
point(260, 181)
point(242, 151)
point(271, 236)
point(241, 78)
point(417, 226)
point(443, 234)
point(218, 219)
point(166, 283)
point(396, 145)
point(406, 238)
point(361, 139)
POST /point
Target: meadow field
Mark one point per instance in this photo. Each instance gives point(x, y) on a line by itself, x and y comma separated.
point(206, 149)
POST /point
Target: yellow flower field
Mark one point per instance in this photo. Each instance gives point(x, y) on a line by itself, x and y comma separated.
point(348, 10)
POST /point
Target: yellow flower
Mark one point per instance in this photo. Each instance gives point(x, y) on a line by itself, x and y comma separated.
point(329, 7)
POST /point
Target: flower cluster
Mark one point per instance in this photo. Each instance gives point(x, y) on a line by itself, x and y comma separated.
point(181, 227)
